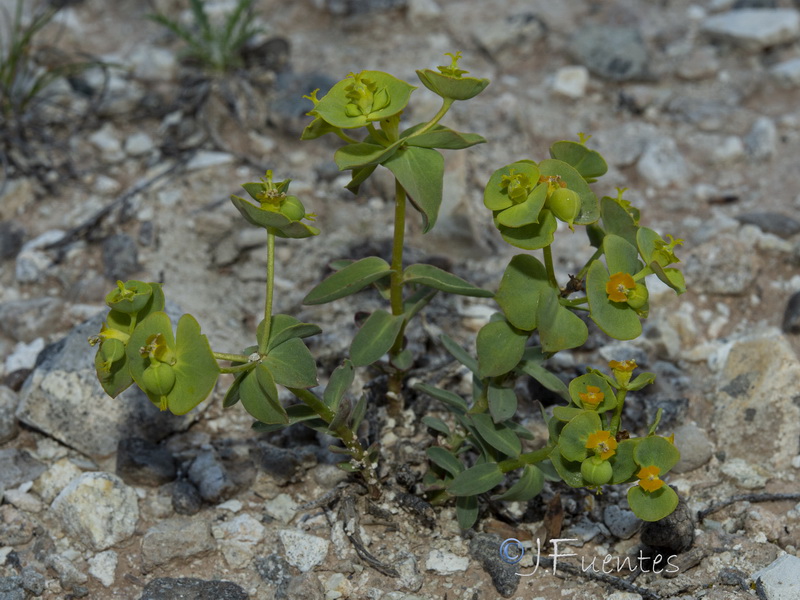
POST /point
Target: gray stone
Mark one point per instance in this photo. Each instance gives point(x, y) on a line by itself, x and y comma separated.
point(17, 467)
point(754, 28)
point(661, 163)
point(780, 580)
point(26, 320)
point(273, 568)
point(11, 588)
point(511, 32)
point(791, 318)
point(11, 236)
point(615, 53)
point(445, 563)
point(621, 522)
point(623, 145)
point(306, 586)
point(285, 465)
point(63, 398)
point(238, 539)
point(24, 355)
point(303, 550)
point(178, 537)
point(140, 462)
point(107, 140)
point(169, 588)
point(33, 581)
point(485, 549)
point(745, 475)
point(211, 477)
point(103, 567)
point(694, 445)
point(68, 574)
point(761, 142)
point(186, 499)
point(55, 479)
point(120, 257)
point(16, 528)
point(772, 222)
point(787, 72)
point(725, 265)
point(758, 381)
point(8, 422)
point(358, 7)
point(31, 266)
point(97, 509)
point(152, 63)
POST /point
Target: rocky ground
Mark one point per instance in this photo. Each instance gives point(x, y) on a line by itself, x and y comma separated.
point(693, 104)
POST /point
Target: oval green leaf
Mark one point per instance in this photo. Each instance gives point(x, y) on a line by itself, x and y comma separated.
point(500, 348)
point(476, 480)
point(652, 506)
point(420, 171)
point(375, 338)
point(349, 280)
point(572, 441)
point(529, 485)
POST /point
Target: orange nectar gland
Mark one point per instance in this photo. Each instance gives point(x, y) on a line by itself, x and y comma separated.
point(622, 370)
point(593, 396)
point(618, 286)
point(602, 443)
point(648, 478)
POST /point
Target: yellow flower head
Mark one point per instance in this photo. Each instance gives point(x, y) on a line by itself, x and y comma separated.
point(648, 478)
point(618, 286)
point(623, 365)
point(593, 396)
point(603, 444)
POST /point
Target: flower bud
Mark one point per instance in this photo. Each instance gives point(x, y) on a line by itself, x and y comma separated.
point(596, 471)
point(565, 204)
point(130, 297)
point(158, 378)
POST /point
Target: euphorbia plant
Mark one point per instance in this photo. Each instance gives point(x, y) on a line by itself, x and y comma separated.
point(537, 317)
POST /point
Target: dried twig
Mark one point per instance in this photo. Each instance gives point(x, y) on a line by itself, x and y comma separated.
point(611, 580)
point(745, 498)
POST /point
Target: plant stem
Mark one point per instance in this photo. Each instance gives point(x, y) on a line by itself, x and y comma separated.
point(616, 419)
point(582, 273)
point(241, 358)
point(344, 433)
point(548, 264)
point(446, 104)
point(237, 368)
point(528, 458)
point(345, 137)
point(395, 385)
point(262, 343)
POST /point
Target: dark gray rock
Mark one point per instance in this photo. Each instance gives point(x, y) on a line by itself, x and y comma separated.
point(63, 398)
point(211, 477)
point(11, 237)
point(771, 222)
point(140, 462)
point(615, 53)
point(26, 320)
point(186, 499)
point(673, 534)
point(33, 581)
point(287, 108)
point(486, 550)
point(285, 465)
point(11, 588)
point(306, 586)
point(273, 569)
point(791, 316)
point(178, 537)
point(17, 466)
point(189, 588)
point(120, 256)
point(621, 522)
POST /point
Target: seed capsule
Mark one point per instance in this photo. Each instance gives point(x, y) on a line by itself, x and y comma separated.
point(637, 297)
point(292, 208)
point(596, 471)
point(565, 204)
point(158, 379)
